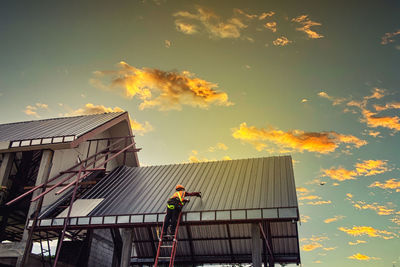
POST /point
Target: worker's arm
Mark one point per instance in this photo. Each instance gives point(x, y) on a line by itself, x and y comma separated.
point(193, 194)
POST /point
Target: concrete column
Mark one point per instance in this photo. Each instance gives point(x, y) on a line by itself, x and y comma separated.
point(256, 245)
point(42, 177)
point(127, 240)
point(5, 168)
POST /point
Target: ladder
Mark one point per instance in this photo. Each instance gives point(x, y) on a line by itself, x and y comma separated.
point(170, 246)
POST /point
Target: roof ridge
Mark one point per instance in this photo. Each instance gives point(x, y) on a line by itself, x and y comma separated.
point(62, 118)
point(210, 161)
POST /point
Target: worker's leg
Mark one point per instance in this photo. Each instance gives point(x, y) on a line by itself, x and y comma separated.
point(174, 219)
point(168, 219)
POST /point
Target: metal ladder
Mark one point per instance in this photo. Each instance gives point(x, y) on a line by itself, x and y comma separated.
point(170, 246)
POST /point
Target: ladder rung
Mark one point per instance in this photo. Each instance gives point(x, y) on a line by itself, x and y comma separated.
point(166, 246)
point(164, 257)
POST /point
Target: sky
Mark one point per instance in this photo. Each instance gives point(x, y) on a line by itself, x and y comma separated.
point(210, 80)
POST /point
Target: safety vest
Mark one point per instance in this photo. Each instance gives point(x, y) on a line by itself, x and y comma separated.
point(179, 195)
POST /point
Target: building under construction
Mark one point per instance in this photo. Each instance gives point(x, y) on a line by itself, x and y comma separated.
point(77, 182)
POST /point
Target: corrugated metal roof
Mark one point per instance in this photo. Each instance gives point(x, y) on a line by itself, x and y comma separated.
point(225, 185)
point(66, 126)
point(248, 185)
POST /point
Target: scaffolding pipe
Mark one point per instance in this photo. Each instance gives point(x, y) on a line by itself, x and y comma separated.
point(59, 175)
point(68, 214)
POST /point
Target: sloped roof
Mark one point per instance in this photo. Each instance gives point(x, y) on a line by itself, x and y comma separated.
point(66, 126)
point(52, 131)
point(225, 185)
point(215, 228)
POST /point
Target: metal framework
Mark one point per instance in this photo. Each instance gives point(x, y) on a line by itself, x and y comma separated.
point(96, 162)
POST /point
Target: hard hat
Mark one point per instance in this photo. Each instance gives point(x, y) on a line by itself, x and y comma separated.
point(180, 187)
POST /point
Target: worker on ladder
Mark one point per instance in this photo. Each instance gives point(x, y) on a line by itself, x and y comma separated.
point(174, 208)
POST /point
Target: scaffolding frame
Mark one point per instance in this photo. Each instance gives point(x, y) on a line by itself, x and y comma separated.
point(78, 172)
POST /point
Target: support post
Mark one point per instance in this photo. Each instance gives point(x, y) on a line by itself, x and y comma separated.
point(5, 171)
point(42, 177)
point(255, 245)
point(127, 240)
point(5, 168)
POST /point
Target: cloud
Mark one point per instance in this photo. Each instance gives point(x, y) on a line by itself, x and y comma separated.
point(167, 43)
point(317, 203)
point(304, 100)
point(335, 100)
point(89, 108)
point(270, 26)
point(281, 41)
point(379, 209)
point(330, 248)
point(295, 140)
point(195, 157)
point(393, 105)
point(32, 110)
point(211, 23)
point(311, 197)
point(218, 146)
point(365, 168)
point(304, 218)
point(374, 134)
point(362, 257)
point(334, 219)
point(371, 167)
point(357, 242)
point(265, 15)
point(339, 174)
point(161, 89)
point(306, 26)
point(388, 37)
point(186, 28)
point(367, 230)
point(388, 184)
point(372, 119)
point(311, 247)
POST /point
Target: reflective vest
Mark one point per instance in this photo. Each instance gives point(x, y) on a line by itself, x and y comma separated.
point(180, 196)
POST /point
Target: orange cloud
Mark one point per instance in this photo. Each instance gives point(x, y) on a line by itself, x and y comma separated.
point(367, 230)
point(161, 89)
point(389, 184)
point(311, 247)
point(335, 100)
point(211, 22)
point(365, 168)
point(350, 196)
point(371, 167)
point(379, 209)
point(296, 140)
point(265, 15)
point(339, 174)
point(334, 219)
point(374, 121)
point(304, 218)
point(317, 203)
point(388, 37)
point(89, 108)
point(307, 24)
point(394, 105)
point(357, 242)
point(362, 257)
point(281, 41)
point(270, 26)
point(330, 248)
point(309, 197)
point(32, 110)
point(218, 146)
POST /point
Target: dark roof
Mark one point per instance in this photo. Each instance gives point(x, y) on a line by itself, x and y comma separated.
point(225, 185)
point(56, 127)
point(216, 228)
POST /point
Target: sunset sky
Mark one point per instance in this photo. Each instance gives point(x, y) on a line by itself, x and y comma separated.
point(211, 80)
